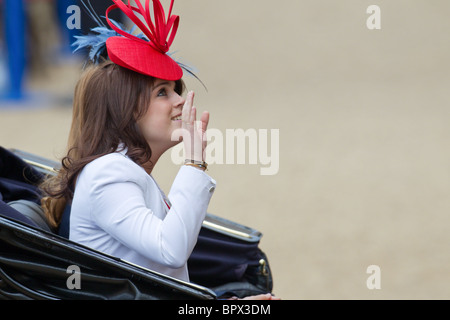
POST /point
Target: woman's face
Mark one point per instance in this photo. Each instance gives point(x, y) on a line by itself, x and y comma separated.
point(163, 116)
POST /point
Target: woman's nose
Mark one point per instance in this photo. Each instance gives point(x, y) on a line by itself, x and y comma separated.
point(180, 101)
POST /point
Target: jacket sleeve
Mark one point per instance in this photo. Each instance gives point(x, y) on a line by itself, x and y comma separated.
point(118, 195)
point(189, 196)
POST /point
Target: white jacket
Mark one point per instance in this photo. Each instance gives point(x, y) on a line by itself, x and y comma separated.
point(120, 210)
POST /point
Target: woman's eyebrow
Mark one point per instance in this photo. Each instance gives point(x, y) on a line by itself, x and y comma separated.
point(161, 84)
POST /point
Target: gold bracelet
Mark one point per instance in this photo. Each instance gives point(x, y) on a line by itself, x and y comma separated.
point(197, 164)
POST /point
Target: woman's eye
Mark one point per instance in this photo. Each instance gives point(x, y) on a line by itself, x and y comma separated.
point(162, 93)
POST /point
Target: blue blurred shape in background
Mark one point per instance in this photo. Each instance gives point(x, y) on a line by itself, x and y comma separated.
point(13, 60)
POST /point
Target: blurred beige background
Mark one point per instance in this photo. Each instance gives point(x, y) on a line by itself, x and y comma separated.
point(364, 176)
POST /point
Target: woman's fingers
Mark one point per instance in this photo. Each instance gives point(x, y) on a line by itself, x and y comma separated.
point(194, 135)
point(187, 108)
point(205, 120)
point(193, 115)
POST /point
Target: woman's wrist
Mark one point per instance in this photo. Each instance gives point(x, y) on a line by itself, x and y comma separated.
point(202, 165)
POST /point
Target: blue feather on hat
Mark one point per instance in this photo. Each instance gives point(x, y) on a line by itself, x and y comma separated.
point(95, 42)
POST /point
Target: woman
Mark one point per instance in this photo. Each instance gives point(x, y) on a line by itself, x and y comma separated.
point(117, 205)
point(128, 111)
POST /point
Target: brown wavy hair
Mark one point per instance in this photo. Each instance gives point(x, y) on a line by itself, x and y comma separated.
point(108, 101)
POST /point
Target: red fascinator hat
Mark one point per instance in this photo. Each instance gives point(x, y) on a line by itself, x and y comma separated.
point(137, 54)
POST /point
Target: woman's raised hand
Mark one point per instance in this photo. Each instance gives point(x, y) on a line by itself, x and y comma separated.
point(194, 132)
